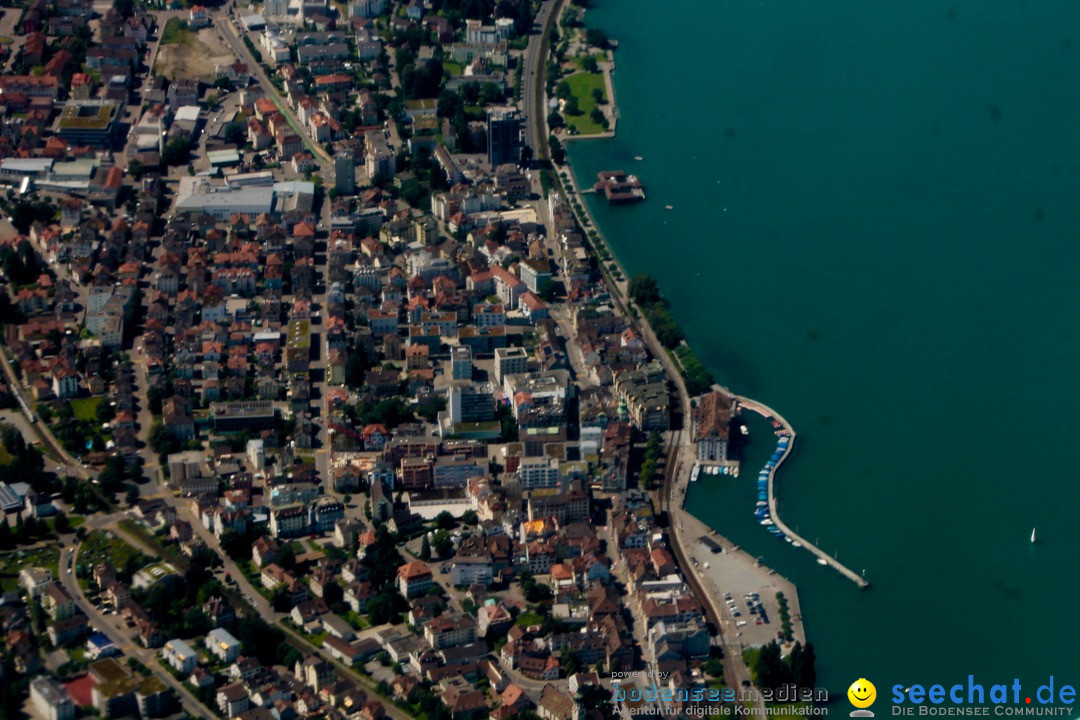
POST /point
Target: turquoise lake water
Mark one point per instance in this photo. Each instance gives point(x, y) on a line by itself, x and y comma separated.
point(876, 230)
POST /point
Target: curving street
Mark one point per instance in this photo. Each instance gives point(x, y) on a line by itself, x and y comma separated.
point(113, 629)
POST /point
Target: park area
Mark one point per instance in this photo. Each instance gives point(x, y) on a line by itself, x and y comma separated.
point(186, 53)
point(584, 89)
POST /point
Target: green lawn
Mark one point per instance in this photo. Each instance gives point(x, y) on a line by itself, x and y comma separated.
point(174, 33)
point(86, 408)
point(452, 69)
point(582, 84)
point(153, 543)
point(580, 61)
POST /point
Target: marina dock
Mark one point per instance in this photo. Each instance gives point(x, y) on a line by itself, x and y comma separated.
point(770, 414)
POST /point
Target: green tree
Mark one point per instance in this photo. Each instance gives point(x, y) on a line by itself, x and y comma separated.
point(176, 151)
point(162, 439)
point(442, 544)
point(383, 609)
point(235, 134)
point(568, 663)
point(548, 290)
point(589, 63)
point(287, 556)
point(570, 106)
point(770, 669)
point(281, 599)
point(425, 549)
point(558, 154)
point(356, 367)
point(445, 521)
point(596, 38)
point(643, 290)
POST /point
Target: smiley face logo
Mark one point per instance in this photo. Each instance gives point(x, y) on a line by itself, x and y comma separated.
point(862, 693)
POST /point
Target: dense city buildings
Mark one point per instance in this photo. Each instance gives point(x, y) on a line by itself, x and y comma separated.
point(318, 401)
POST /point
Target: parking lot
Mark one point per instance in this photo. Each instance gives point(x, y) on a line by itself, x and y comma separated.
point(745, 592)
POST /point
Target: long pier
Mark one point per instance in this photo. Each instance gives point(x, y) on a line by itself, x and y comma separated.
point(770, 414)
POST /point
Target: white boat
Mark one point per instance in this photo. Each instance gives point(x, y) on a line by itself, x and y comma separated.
point(694, 473)
point(744, 430)
point(766, 521)
point(822, 561)
point(670, 207)
point(1033, 539)
point(638, 158)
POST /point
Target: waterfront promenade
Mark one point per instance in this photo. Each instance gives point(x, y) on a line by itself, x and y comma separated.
point(685, 529)
point(774, 512)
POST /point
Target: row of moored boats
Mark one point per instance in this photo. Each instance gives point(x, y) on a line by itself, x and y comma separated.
point(761, 511)
point(712, 470)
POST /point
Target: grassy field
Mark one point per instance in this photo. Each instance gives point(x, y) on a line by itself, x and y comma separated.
point(580, 60)
point(14, 560)
point(175, 34)
point(452, 69)
point(86, 408)
point(582, 85)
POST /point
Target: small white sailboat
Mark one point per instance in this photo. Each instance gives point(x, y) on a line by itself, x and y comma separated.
point(1033, 538)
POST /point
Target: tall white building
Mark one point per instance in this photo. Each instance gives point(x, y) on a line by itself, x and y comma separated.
point(51, 699)
point(510, 361)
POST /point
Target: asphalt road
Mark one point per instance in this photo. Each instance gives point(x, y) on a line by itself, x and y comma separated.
point(231, 37)
point(532, 79)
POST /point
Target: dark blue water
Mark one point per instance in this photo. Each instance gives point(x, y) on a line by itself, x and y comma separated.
point(875, 231)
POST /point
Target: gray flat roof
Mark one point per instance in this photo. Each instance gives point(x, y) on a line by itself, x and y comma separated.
point(26, 165)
